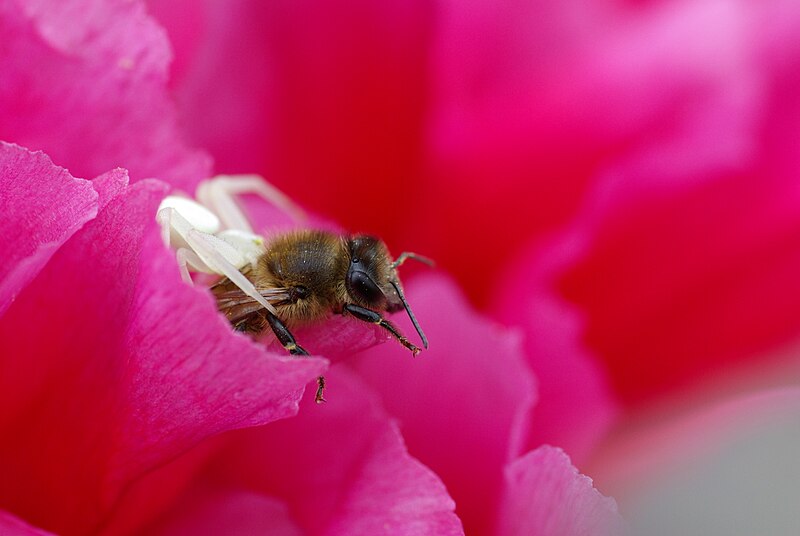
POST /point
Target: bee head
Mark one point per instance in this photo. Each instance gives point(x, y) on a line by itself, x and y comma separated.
point(372, 279)
point(368, 275)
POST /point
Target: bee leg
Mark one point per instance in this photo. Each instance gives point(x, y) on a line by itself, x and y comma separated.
point(210, 254)
point(284, 336)
point(288, 341)
point(368, 315)
point(318, 397)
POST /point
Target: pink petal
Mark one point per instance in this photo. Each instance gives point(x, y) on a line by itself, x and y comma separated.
point(12, 526)
point(335, 337)
point(86, 83)
point(576, 406)
point(158, 490)
point(223, 77)
point(464, 405)
point(545, 495)
point(112, 366)
point(530, 99)
point(42, 207)
point(685, 254)
point(231, 513)
point(697, 269)
point(272, 83)
point(341, 467)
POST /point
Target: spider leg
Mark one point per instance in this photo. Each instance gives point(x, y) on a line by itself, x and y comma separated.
point(186, 257)
point(209, 248)
point(218, 194)
point(249, 245)
point(164, 219)
point(219, 256)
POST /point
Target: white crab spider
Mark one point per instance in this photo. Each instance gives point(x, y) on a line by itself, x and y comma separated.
point(212, 235)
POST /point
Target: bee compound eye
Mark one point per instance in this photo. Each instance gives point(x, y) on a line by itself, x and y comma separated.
point(361, 286)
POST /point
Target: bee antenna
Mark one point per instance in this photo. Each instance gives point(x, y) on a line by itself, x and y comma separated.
point(411, 314)
point(409, 255)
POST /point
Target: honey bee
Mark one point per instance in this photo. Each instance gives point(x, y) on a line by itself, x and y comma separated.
point(297, 278)
point(308, 274)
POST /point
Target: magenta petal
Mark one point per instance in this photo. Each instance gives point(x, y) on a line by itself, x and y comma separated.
point(12, 526)
point(43, 205)
point(690, 244)
point(576, 406)
point(546, 496)
point(463, 405)
point(232, 513)
point(530, 99)
point(110, 366)
point(336, 337)
point(223, 77)
point(342, 467)
point(85, 81)
point(270, 84)
point(684, 272)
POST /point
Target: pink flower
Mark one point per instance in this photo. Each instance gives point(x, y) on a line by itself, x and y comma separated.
point(616, 190)
point(118, 380)
point(616, 179)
